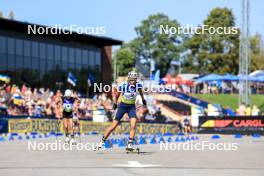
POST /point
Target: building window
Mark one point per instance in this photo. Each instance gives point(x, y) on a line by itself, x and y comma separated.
point(91, 59)
point(10, 46)
point(35, 49)
point(50, 65)
point(27, 62)
point(3, 63)
point(42, 67)
point(57, 53)
point(71, 55)
point(19, 47)
point(35, 64)
point(50, 52)
point(64, 66)
point(27, 48)
point(78, 56)
point(42, 50)
point(97, 58)
point(19, 62)
point(11, 62)
point(2, 44)
point(65, 54)
point(85, 57)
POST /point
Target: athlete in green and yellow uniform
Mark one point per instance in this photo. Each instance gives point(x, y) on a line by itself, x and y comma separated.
point(127, 91)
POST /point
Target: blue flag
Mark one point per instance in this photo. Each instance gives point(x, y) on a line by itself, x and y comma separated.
point(90, 79)
point(71, 79)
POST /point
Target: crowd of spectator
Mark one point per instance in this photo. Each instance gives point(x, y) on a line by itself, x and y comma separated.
point(40, 102)
point(247, 110)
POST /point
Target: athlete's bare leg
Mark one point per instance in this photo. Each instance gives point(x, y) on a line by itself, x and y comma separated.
point(110, 129)
point(133, 122)
point(70, 128)
point(106, 134)
point(65, 123)
point(66, 129)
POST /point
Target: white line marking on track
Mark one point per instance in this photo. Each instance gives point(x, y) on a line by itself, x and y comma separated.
point(136, 164)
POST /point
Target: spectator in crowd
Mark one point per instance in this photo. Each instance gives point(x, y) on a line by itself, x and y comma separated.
point(255, 111)
point(41, 102)
point(248, 110)
point(241, 110)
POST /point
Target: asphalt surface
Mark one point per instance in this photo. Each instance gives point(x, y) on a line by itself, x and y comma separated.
point(243, 156)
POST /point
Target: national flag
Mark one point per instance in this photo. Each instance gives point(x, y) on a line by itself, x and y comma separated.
point(71, 79)
point(157, 77)
point(90, 79)
point(5, 78)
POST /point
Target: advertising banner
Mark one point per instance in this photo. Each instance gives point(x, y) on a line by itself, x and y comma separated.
point(231, 124)
point(53, 125)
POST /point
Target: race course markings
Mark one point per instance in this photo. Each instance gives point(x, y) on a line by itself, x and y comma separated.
point(135, 164)
point(125, 165)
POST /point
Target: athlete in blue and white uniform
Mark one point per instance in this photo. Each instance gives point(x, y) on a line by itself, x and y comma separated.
point(187, 124)
point(126, 93)
point(68, 104)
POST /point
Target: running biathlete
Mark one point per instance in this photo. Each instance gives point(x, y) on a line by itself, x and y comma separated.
point(75, 119)
point(186, 125)
point(68, 104)
point(127, 92)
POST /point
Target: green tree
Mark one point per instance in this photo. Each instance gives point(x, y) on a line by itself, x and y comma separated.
point(152, 43)
point(256, 53)
point(125, 60)
point(214, 53)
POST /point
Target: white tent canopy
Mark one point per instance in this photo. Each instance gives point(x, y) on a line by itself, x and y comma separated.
point(257, 73)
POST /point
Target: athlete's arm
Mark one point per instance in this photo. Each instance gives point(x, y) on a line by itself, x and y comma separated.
point(116, 95)
point(142, 96)
point(75, 105)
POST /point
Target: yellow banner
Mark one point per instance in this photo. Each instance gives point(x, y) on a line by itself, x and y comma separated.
point(19, 125)
point(52, 125)
point(87, 126)
point(46, 125)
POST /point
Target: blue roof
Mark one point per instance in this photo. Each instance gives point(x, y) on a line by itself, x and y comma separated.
point(211, 77)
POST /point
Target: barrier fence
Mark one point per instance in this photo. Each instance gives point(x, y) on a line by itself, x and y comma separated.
point(231, 124)
point(26, 125)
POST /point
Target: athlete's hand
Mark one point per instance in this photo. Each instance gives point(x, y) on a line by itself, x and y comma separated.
point(114, 106)
point(144, 102)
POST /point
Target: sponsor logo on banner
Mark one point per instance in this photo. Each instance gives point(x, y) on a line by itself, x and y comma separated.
point(19, 125)
point(231, 124)
point(125, 127)
point(45, 125)
point(51, 125)
point(248, 123)
point(235, 123)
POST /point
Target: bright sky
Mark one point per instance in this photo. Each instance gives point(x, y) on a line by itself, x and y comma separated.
point(121, 16)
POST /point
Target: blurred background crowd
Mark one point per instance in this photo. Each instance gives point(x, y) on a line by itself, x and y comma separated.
point(41, 102)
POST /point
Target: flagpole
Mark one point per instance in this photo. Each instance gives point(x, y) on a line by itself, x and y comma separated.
point(87, 89)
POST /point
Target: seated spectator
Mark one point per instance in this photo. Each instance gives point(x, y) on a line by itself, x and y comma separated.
point(255, 111)
point(248, 110)
point(241, 110)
